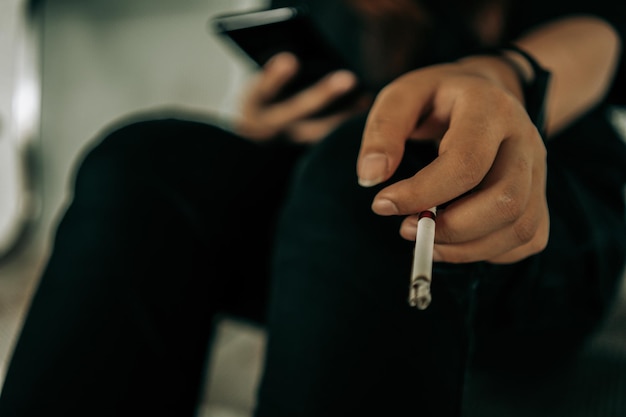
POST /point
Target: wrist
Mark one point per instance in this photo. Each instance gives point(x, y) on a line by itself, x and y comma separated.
point(498, 70)
point(525, 78)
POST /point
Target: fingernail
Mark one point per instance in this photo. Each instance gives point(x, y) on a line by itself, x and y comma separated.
point(385, 207)
point(373, 169)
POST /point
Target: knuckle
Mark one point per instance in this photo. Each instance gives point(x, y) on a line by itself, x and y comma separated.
point(509, 205)
point(525, 230)
point(504, 100)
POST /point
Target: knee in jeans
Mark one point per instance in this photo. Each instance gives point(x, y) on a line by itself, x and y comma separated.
point(153, 152)
point(121, 160)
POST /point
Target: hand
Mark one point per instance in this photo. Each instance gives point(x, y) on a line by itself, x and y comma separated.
point(488, 148)
point(263, 119)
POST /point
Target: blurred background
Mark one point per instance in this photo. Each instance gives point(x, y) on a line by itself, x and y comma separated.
point(71, 68)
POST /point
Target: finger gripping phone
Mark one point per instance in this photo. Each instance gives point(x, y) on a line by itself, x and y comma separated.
point(264, 33)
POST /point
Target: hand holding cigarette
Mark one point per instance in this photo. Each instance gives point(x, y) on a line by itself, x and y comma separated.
point(490, 167)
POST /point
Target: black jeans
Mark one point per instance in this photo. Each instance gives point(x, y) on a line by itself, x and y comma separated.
point(343, 340)
point(174, 222)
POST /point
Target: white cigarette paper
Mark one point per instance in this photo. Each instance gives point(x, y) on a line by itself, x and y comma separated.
point(421, 274)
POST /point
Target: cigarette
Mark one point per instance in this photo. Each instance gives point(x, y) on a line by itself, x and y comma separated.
point(421, 274)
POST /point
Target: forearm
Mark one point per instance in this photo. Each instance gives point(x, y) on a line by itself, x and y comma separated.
point(581, 52)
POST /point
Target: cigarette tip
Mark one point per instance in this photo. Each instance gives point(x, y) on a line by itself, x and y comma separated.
point(421, 303)
point(420, 294)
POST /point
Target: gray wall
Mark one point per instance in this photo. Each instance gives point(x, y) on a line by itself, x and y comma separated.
point(103, 60)
point(107, 59)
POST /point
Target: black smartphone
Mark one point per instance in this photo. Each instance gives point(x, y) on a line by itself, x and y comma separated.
point(264, 33)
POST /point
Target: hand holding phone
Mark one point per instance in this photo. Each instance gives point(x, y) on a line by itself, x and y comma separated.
point(262, 117)
point(265, 33)
point(304, 85)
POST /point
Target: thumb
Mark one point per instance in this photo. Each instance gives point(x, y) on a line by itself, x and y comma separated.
point(391, 121)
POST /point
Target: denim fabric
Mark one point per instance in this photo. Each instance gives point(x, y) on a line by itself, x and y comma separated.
point(343, 340)
point(157, 242)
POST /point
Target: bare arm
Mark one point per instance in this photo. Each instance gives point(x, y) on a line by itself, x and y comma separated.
point(488, 144)
point(582, 53)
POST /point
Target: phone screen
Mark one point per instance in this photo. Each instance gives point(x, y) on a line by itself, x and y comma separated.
point(263, 34)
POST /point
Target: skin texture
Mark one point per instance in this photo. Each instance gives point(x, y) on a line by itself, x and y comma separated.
point(488, 147)
point(261, 119)
point(489, 150)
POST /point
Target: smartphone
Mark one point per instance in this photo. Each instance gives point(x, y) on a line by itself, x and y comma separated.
point(264, 33)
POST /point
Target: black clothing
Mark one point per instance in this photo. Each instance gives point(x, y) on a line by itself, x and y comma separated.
point(450, 37)
point(157, 243)
point(173, 223)
point(343, 340)
point(152, 248)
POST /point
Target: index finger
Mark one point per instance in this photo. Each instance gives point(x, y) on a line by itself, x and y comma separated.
point(394, 115)
point(466, 155)
point(275, 75)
